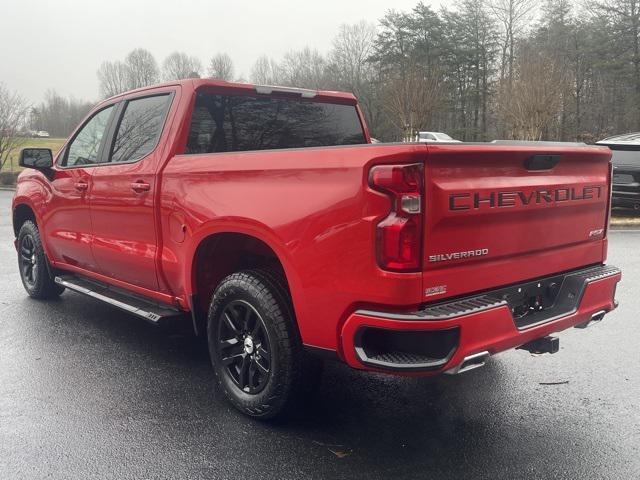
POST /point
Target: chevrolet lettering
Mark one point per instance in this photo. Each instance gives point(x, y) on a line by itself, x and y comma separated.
point(514, 198)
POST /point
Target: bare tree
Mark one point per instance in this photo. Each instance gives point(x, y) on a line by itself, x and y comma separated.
point(411, 99)
point(305, 68)
point(350, 53)
point(221, 66)
point(351, 68)
point(265, 71)
point(58, 115)
point(179, 65)
point(513, 16)
point(13, 115)
point(113, 78)
point(142, 68)
point(531, 101)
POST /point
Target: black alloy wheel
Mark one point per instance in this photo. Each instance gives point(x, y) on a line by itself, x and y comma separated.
point(244, 349)
point(28, 260)
point(255, 347)
point(35, 273)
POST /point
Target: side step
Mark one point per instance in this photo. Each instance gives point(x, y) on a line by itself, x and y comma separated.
point(154, 312)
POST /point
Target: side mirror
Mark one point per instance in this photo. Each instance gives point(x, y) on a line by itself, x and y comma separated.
point(38, 158)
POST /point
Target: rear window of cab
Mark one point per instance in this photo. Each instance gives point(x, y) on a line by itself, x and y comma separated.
point(235, 123)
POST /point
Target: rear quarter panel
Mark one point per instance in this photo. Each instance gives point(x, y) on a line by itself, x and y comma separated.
point(313, 207)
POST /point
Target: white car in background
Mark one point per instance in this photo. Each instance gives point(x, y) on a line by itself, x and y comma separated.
point(435, 137)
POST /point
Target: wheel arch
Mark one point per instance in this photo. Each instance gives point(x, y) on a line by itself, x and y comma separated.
point(30, 196)
point(220, 252)
point(22, 211)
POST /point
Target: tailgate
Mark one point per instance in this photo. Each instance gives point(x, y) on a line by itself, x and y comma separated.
point(498, 214)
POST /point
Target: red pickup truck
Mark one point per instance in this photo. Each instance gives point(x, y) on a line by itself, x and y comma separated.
point(266, 220)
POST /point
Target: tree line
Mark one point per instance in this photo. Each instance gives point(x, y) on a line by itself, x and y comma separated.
point(564, 70)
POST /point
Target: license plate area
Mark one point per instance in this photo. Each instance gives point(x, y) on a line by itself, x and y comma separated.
point(531, 302)
point(544, 300)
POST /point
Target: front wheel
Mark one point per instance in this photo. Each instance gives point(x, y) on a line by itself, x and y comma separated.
point(255, 348)
point(32, 261)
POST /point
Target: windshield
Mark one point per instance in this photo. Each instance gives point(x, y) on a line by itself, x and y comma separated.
point(443, 136)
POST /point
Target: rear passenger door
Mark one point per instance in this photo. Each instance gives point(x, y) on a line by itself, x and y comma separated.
point(122, 197)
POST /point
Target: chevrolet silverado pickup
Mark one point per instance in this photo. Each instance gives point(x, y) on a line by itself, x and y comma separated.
point(266, 220)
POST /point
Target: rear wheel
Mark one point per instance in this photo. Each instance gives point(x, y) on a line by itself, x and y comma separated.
point(32, 261)
point(255, 348)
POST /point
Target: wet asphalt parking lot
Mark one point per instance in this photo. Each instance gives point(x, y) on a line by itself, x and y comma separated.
point(89, 392)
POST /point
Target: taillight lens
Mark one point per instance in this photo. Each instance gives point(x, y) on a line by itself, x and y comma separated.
point(399, 235)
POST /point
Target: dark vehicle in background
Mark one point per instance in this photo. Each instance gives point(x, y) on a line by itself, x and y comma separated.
point(626, 169)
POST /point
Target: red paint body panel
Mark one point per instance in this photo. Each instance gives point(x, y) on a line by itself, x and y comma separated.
point(312, 207)
point(315, 210)
point(66, 219)
point(523, 241)
point(124, 240)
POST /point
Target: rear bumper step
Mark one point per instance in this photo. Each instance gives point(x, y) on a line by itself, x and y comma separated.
point(459, 335)
point(153, 312)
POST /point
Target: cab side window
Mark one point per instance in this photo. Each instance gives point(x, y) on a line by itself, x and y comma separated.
point(139, 128)
point(85, 147)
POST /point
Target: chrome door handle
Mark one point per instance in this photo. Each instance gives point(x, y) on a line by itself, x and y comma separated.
point(81, 186)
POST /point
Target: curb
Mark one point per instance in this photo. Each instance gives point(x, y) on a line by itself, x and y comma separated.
point(625, 227)
point(624, 222)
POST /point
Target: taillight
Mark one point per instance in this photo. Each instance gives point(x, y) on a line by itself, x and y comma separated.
point(399, 235)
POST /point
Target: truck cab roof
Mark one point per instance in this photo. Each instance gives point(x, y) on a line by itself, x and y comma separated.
point(249, 88)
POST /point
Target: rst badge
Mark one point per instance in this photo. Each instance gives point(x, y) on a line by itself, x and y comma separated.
point(431, 291)
point(596, 233)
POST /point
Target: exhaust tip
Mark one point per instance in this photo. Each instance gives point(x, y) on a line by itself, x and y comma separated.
point(595, 318)
point(470, 362)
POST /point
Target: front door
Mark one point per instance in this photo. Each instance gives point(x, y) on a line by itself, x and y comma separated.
point(122, 196)
point(67, 220)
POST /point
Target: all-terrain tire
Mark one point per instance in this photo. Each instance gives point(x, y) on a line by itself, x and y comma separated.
point(33, 264)
point(258, 301)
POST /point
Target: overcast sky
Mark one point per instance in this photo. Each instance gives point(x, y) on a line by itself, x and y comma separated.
point(60, 44)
